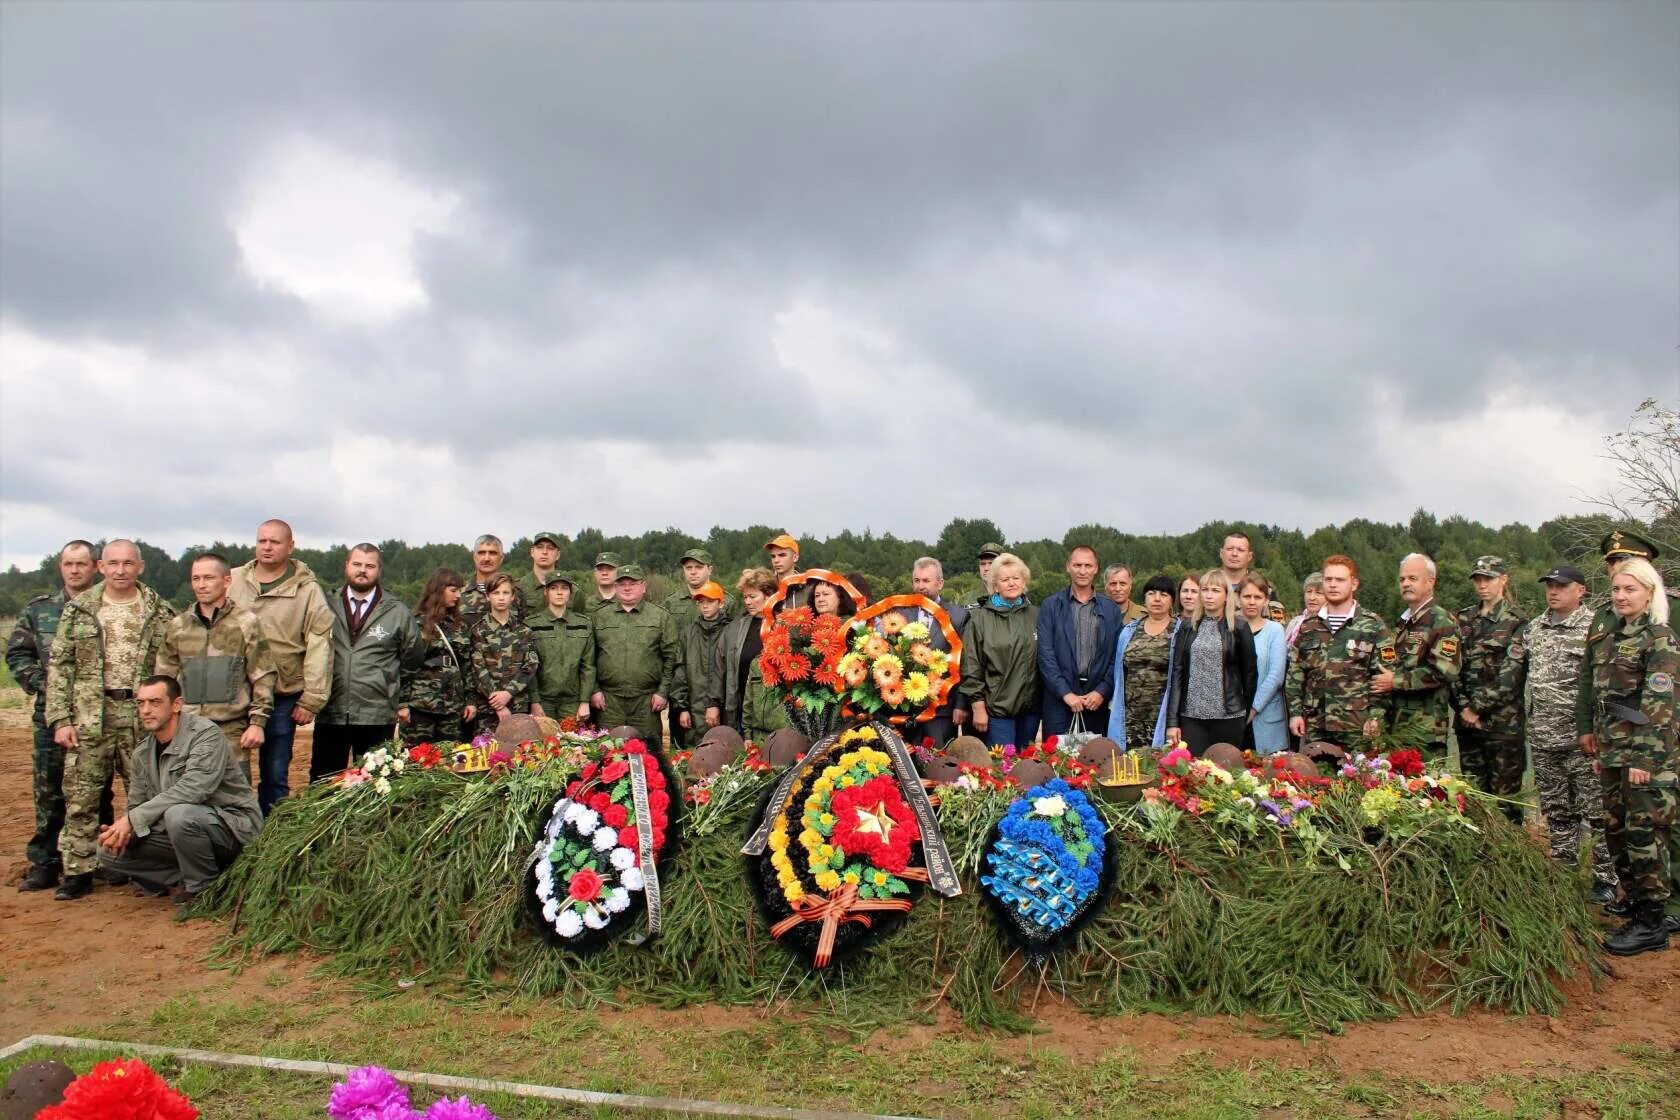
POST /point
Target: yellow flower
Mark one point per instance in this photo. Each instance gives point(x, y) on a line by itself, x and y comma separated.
point(810, 838)
point(778, 841)
point(826, 820)
point(828, 880)
point(825, 853)
point(794, 893)
point(916, 687)
point(880, 878)
point(851, 877)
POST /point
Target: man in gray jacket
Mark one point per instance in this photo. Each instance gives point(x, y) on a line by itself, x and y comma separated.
point(376, 647)
point(191, 806)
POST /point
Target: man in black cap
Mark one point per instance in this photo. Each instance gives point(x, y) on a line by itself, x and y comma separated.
point(989, 551)
point(1556, 647)
point(545, 553)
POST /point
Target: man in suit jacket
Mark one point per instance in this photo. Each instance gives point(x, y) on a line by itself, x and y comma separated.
point(1077, 630)
point(927, 577)
point(191, 806)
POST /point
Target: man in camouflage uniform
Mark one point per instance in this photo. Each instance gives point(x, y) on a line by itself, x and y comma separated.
point(606, 582)
point(107, 643)
point(27, 655)
point(1633, 666)
point(504, 666)
point(1421, 664)
point(1337, 658)
point(487, 561)
point(1555, 646)
point(218, 655)
point(565, 640)
point(545, 553)
point(681, 605)
point(636, 654)
point(1490, 688)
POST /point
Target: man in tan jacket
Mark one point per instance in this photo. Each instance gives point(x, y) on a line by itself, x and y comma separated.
point(297, 625)
point(217, 651)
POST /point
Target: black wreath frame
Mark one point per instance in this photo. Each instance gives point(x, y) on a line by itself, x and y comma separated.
point(1016, 932)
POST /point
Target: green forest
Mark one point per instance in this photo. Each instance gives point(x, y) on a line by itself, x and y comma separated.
point(1285, 556)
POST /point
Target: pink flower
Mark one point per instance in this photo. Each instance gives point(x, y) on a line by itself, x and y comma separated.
point(369, 1093)
point(461, 1109)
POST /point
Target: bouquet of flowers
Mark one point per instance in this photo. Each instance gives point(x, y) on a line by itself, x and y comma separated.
point(801, 658)
point(1401, 798)
point(120, 1090)
point(892, 669)
point(379, 768)
point(371, 1093)
point(589, 865)
point(1260, 795)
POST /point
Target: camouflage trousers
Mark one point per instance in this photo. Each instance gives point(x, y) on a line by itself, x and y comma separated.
point(87, 779)
point(430, 727)
point(1639, 828)
point(1494, 764)
point(47, 760)
point(1570, 798)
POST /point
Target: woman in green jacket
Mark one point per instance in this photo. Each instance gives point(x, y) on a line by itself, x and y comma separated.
point(565, 641)
point(739, 696)
point(1000, 659)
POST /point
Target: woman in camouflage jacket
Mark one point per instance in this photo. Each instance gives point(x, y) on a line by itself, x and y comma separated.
point(436, 701)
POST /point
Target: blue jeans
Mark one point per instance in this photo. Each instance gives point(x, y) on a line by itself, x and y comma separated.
point(1012, 730)
point(274, 760)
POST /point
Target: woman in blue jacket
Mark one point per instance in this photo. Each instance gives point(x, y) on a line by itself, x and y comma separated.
point(1267, 719)
point(1143, 658)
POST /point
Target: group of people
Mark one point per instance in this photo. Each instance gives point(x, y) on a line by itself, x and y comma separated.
point(179, 704)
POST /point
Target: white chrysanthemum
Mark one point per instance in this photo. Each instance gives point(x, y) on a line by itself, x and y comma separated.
point(587, 822)
point(570, 813)
point(605, 839)
point(622, 858)
point(618, 901)
point(1049, 806)
point(632, 879)
point(568, 924)
point(594, 919)
point(397, 764)
point(382, 786)
point(551, 910)
point(545, 871)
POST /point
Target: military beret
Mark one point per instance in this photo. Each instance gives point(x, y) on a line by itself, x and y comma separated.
point(1488, 566)
point(1566, 574)
point(698, 555)
point(606, 560)
point(630, 571)
point(548, 535)
point(1621, 542)
point(557, 576)
point(991, 550)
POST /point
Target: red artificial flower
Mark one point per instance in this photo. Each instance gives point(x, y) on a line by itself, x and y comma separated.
point(628, 838)
point(614, 770)
point(599, 801)
point(859, 808)
point(635, 746)
point(1406, 762)
point(701, 796)
point(658, 800)
point(425, 756)
point(616, 816)
point(585, 886)
point(120, 1090)
point(589, 771)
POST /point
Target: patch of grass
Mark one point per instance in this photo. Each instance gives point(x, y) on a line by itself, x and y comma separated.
point(805, 1065)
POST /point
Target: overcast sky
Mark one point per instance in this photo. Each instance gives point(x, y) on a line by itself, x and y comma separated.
point(426, 270)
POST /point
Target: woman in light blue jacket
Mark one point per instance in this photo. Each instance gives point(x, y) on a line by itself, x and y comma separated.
point(1143, 659)
point(1267, 721)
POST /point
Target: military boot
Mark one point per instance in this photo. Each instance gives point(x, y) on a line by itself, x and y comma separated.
point(1645, 932)
point(1619, 908)
point(75, 886)
point(40, 877)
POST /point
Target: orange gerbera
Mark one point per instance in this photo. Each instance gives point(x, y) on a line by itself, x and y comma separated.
point(876, 646)
point(892, 622)
point(888, 671)
point(921, 653)
point(892, 695)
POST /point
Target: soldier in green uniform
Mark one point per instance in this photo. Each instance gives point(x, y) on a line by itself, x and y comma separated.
point(681, 605)
point(739, 697)
point(699, 642)
point(606, 582)
point(27, 654)
point(107, 643)
point(487, 562)
point(565, 640)
point(636, 654)
point(989, 551)
point(1489, 694)
point(434, 705)
point(1633, 666)
point(1337, 658)
point(218, 655)
point(504, 658)
point(1421, 665)
point(545, 551)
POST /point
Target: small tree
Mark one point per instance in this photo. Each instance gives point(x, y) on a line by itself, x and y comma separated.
point(1646, 491)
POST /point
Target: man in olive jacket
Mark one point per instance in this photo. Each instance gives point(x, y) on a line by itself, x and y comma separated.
point(191, 807)
point(376, 648)
point(565, 639)
point(636, 654)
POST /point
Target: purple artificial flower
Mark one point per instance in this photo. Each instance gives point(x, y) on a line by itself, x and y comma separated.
point(369, 1093)
point(462, 1108)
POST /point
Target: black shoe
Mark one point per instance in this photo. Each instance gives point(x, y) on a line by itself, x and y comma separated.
point(150, 890)
point(40, 877)
point(1619, 909)
point(1672, 924)
point(1644, 934)
point(112, 878)
point(75, 886)
point(1603, 894)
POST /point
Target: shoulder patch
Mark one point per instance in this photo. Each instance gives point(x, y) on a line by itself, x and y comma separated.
point(1388, 653)
point(1660, 682)
point(1448, 646)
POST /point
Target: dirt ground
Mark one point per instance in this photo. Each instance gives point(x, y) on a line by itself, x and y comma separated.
point(71, 966)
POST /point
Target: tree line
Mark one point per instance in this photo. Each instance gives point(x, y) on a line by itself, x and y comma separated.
point(1286, 556)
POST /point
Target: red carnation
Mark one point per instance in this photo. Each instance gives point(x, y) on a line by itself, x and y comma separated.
point(588, 771)
point(614, 770)
point(635, 746)
point(1407, 763)
point(616, 816)
point(627, 838)
point(658, 839)
point(658, 800)
point(585, 886)
point(120, 1090)
point(599, 801)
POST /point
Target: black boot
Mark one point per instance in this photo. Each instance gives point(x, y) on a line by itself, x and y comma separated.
point(1603, 894)
point(1672, 924)
point(75, 886)
point(1644, 933)
point(1619, 909)
point(111, 878)
point(40, 877)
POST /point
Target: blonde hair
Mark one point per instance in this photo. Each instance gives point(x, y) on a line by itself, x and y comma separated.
point(1213, 577)
point(1647, 577)
point(762, 580)
point(1006, 562)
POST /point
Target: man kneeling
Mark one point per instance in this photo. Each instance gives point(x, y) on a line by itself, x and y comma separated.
point(191, 806)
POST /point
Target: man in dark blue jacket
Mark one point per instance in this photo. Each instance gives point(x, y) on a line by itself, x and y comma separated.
point(1077, 629)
